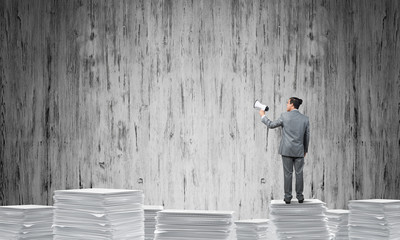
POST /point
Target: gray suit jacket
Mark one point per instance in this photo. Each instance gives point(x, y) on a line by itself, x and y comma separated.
point(295, 133)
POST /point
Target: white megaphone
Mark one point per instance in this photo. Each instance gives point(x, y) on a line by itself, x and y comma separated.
point(260, 106)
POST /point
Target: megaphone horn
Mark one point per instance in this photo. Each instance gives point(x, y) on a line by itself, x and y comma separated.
point(260, 106)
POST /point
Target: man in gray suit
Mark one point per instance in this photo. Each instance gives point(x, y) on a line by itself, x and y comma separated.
point(294, 145)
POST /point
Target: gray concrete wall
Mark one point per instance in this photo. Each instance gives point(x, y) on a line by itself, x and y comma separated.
point(103, 93)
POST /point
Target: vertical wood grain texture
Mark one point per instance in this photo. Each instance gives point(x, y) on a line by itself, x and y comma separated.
point(103, 93)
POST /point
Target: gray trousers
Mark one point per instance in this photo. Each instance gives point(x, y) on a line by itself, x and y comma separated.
point(288, 164)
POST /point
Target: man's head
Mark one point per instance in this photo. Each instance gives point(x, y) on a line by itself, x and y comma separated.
point(293, 103)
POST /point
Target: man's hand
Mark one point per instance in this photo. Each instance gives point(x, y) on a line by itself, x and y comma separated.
point(262, 112)
point(305, 154)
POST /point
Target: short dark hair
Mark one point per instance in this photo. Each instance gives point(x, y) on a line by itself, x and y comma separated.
point(296, 102)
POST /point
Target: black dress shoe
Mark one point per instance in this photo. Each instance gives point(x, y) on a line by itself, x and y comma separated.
point(301, 201)
point(286, 201)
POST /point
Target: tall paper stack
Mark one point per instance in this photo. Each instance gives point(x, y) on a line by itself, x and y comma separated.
point(150, 213)
point(98, 214)
point(374, 219)
point(193, 224)
point(26, 222)
point(338, 223)
point(299, 220)
point(251, 229)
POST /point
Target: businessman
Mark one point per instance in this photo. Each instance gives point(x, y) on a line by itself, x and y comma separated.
point(294, 145)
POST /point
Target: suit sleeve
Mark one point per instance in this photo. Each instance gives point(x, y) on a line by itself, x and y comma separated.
point(272, 124)
point(307, 137)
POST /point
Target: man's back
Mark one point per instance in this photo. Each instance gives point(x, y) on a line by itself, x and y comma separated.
point(295, 133)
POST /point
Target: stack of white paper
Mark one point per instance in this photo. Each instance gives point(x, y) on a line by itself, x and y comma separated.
point(98, 214)
point(194, 225)
point(271, 232)
point(374, 219)
point(338, 223)
point(251, 229)
point(26, 222)
point(150, 213)
point(299, 220)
